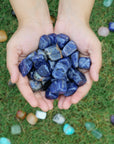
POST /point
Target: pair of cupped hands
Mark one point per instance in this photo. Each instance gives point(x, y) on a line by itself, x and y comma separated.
point(25, 40)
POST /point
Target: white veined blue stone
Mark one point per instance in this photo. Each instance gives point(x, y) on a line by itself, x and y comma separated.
point(41, 114)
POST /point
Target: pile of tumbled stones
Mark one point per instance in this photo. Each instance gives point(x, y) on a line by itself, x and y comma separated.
point(54, 66)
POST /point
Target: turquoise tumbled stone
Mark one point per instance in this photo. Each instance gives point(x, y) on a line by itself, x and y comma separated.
point(15, 129)
point(68, 130)
point(4, 140)
point(96, 134)
point(107, 3)
point(89, 126)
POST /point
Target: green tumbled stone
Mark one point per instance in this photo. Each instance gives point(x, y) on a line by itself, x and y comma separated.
point(89, 126)
point(15, 130)
point(96, 134)
point(107, 3)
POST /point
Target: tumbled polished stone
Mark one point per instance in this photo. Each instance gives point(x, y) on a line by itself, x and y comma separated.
point(89, 126)
point(3, 36)
point(25, 66)
point(31, 75)
point(66, 62)
point(52, 64)
point(44, 42)
point(71, 89)
point(31, 55)
point(37, 77)
point(41, 114)
point(58, 86)
point(75, 58)
point(59, 119)
point(78, 77)
point(15, 129)
point(111, 26)
point(35, 85)
point(107, 3)
point(53, 52)
point(52, 19)
point(112, 119)
point(50, 95)
point(68, 130)
point(10, 84)
point(4, 140)
point(62, 40)
point(21, 114)
point(52, 37)
point(69, 48)
point(41, 52)
point(31, 119)
point(103, 31)
point(84, 63)
point(96, 133)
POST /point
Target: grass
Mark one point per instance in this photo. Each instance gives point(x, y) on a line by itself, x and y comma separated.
point(96, 107)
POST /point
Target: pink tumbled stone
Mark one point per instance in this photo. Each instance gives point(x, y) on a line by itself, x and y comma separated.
point(103, 31)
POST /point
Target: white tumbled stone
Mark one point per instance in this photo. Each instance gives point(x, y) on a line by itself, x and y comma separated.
point(59, 118)
point(103, 31)
point(41, 114)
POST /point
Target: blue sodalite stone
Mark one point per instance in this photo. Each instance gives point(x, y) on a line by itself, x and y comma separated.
point(112, 119)
point(35, 85)
point(13, 13)
point(52, 37)
point(52, 64)
point(69, 48)
point(84, 63)
point(58, 87)
point(71, 89)
point(31, 74)
point(37, 77)
point(31, 55)
point(44, 70)
point(53, 52)
point(66, 62)
point(37, 60)
point(4, 140)
point(78, 77)
point(62, 40)
point(75, 58)
point(111, 26)
point(50, 95)
point(44, 42)
point(25, 66)
point(41, 52)
point(68, 130)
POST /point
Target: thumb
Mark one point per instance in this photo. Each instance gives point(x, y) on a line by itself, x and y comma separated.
point(12, 63)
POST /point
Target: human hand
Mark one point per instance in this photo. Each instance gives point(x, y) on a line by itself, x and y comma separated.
point(24, 41)
point(89, 45)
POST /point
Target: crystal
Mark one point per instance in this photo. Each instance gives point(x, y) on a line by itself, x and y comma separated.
point(58, 86)
point(62, 40)
point(75, 58)
point(112, 119)
point(15, 129)
point(50, 95)
point(31, 119)
point(21, 114)
point(71, 89)
point(52, 37)
point(69, 48)
point(41, 52)
point(111, 26)
point(59, 118)
point(84, 63)
point(3, 36)
point(107, 3)
point(41, 114)
point(52, 19)
point(25, 66)
point(96, 133)
point(103, 31)
point(68, 130)
point(89, 126)
point(44, 42)
point(10, 84)
point(4, 140)
point(35, 85)
point(53, 52)
point(78, 77)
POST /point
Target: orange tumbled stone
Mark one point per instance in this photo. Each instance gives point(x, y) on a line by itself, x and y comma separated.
point(31, 119)
point(21, 114)
point(52, 19)
point(3, 36)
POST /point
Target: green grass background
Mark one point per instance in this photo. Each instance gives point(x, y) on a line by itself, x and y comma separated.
point(96, 107)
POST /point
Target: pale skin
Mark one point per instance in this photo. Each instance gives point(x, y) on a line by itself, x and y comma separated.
point(34, 21)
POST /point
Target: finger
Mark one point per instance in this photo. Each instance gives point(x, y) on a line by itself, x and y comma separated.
point(67, 102)
point(82, 91)
point(96, 59)
point(60, 101)
point(12, 63)
point(26, 91)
